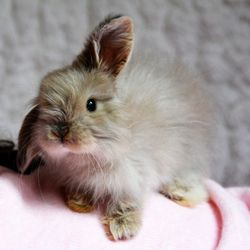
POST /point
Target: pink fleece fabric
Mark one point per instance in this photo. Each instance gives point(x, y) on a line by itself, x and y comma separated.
point(34, 216)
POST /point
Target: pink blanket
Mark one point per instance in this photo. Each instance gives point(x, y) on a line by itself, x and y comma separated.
point(33, 216)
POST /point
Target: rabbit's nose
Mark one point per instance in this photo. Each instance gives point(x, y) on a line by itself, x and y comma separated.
point(61, 130)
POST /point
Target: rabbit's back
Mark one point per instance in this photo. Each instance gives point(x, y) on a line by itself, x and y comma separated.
point(169, 117)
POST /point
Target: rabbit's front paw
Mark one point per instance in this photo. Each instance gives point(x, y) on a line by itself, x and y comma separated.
point(80, 203)
point(122, 224)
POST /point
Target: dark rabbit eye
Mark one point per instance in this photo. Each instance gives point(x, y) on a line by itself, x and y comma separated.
point(91, 105)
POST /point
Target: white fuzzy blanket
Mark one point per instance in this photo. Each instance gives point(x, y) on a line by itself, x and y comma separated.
point(211, 36)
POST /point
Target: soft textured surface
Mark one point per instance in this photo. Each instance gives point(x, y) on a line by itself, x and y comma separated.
point(212, 37)
point(34, 216)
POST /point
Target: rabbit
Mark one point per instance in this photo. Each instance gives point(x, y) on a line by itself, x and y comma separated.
point(112, 133)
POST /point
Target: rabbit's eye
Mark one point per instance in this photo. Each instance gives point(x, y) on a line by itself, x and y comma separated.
point(91, 105)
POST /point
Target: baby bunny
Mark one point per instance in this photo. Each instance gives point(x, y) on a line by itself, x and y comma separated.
point(111, 134)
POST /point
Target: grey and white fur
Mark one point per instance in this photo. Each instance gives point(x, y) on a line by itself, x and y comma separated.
point(147, 130)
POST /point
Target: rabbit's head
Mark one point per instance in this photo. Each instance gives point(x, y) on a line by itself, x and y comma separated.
point(76, 110)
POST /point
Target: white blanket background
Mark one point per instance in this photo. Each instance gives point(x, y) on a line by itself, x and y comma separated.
point(210, 36)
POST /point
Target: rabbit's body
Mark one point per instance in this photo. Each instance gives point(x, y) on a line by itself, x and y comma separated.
point(146, 130)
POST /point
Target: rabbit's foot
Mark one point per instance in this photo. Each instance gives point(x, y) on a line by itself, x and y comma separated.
point(122, 222)
point(186, 194)
point(80, 203)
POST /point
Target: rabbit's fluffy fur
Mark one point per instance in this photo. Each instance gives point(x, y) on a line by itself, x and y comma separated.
point(151, 130)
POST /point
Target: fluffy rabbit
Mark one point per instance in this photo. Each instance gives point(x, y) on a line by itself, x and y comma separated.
point(111, 134)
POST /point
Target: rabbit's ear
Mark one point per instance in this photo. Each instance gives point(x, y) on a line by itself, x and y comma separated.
point(27, 150)
point(109, 46)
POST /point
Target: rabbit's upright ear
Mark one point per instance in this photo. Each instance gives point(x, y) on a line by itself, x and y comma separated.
point(109, 46)
point(27, 151)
